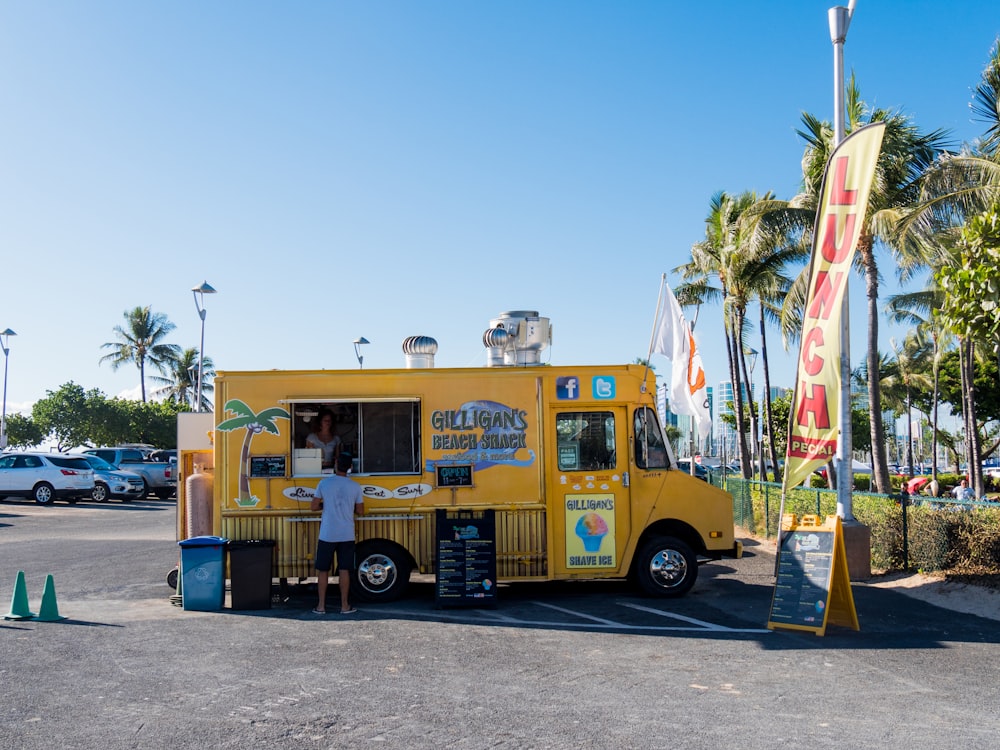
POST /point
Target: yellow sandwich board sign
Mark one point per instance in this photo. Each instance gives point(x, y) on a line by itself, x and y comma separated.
point(813, 586)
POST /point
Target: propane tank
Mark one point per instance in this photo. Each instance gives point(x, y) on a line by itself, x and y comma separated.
point(198, 490)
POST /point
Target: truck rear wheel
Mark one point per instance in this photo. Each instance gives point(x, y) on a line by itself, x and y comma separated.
point(666, 567)
point(382, 571)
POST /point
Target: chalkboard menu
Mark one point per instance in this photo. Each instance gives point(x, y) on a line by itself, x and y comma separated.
point(812, 565)
point(466, 559)
point(459, 475)
point(267, 466)
point(803, 587)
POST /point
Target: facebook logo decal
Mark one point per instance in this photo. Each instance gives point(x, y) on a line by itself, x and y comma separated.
point(568, 388)
point(603, 387)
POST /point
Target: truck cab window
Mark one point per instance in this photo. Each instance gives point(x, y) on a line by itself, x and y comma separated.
point(650, 446)
point(586, 440)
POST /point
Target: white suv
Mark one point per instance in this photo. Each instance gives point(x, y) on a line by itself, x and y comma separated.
point(45, 477)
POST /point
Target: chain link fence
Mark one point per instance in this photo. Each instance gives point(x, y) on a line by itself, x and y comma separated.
point(907, 532)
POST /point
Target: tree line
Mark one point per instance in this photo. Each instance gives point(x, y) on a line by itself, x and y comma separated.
point(934, 212)
point(71, 416)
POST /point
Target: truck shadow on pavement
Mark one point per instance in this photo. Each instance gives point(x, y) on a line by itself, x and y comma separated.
point(729, 602)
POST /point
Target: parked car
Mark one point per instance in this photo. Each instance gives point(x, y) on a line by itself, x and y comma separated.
point(159, 477)
point(111, 483)
point(700, 471)
point(46, 477)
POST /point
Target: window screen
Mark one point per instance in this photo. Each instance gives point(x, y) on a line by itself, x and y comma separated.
point(383, 437)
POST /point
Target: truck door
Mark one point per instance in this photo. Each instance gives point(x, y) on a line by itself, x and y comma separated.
point(588, 485)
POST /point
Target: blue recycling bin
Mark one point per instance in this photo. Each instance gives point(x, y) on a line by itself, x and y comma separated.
point(203, 573)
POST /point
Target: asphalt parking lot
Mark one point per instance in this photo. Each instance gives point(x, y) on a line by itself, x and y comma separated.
point(554, 665)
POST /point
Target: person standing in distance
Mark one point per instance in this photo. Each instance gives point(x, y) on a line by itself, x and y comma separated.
point(340, 499)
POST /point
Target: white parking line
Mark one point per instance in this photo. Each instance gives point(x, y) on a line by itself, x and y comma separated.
point(693, 626)
point(703, 625)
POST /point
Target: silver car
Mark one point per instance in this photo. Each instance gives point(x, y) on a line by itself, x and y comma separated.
point(46, 477)
point(111, 483)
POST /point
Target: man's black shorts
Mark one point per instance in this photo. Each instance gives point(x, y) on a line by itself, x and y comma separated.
point(324, 555)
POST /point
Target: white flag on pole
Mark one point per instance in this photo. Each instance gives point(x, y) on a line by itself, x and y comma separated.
point(688, 391)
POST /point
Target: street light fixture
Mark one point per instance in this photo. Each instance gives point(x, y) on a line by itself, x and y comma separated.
point(4, 336)
point(199, 293)
point(358, 343)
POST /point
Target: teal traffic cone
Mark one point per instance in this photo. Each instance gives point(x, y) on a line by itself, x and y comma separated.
point(50, 610)
point(19, 602)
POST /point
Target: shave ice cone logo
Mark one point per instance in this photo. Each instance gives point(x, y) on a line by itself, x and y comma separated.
point(590, 531)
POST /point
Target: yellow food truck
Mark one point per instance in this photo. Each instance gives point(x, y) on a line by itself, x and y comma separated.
point(570, 461)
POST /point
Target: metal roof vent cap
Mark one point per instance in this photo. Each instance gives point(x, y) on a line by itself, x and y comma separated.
point(419, 352)
point(496, 340)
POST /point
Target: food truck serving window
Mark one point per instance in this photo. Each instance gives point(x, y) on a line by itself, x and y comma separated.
point(586, 440)
point(383, 437)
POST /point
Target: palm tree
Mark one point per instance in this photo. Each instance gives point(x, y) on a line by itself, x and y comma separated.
point(140, 341)
point(748, 244)
point(254, 424)
point(181, 384)
point(711, 259)
point(906, 155)
point(922, 309)
point(906, 372)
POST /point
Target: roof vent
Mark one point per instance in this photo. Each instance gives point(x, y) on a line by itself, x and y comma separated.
point(419, 352)
point(516, 338)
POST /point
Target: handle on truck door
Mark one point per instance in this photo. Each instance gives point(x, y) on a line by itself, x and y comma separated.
point(624, 479)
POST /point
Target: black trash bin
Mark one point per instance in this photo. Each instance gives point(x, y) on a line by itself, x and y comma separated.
point(250, 573)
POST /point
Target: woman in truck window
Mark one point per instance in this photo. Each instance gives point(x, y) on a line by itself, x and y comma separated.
point(325, 439)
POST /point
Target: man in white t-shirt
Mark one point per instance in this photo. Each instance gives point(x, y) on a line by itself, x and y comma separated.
point(340, 499)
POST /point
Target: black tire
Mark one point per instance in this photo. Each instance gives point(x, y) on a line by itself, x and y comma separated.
point(100, 493)
point(43, 493)
point(381, 571)
point(172, 578)
point(145, 490)
point(666, 567)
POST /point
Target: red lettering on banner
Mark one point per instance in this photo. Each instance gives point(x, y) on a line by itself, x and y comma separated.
point(801, 447)
point(824, 291)
point(814, 403)
point(840, 195)
point(813, 365)
point(830, 251)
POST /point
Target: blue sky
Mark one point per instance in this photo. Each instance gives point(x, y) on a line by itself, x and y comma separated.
point(345, 169)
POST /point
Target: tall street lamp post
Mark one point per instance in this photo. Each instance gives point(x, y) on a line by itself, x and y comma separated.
point(840, 19)
point(4, 336)
point(358, 343)
point(199, 293)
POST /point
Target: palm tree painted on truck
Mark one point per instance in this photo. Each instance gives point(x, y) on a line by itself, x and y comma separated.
point(254, 424)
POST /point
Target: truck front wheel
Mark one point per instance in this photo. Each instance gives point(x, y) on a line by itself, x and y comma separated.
point(382, 571)
point(666, 567)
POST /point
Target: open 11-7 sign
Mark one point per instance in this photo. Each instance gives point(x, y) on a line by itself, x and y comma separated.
point(813, 586)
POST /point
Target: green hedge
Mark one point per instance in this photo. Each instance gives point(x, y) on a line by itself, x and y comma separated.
point(924, 535)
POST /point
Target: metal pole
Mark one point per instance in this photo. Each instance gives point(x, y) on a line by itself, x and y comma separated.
point(3, 420)
point(201, 357)
point(199, 304)
point(840, 20)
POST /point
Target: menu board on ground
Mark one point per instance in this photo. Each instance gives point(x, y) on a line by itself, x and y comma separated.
point(813, 585)
point(466, 559)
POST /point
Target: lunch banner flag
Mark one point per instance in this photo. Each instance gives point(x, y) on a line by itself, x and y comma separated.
point(814, 421)
point(674, 340)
